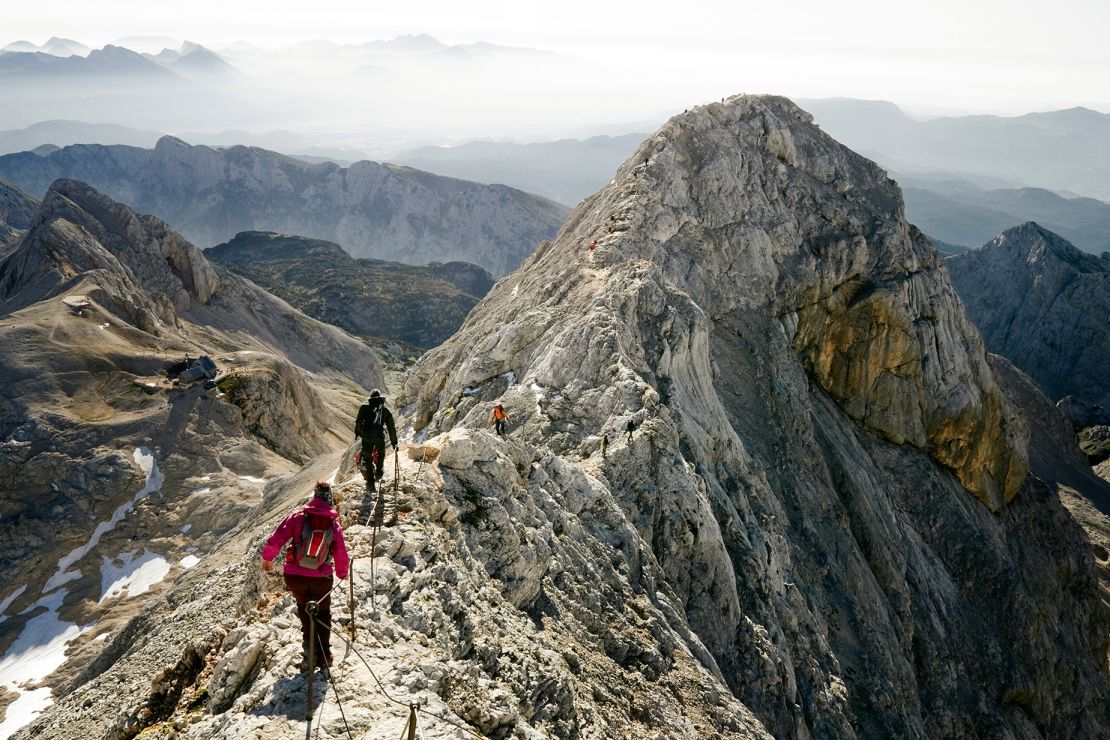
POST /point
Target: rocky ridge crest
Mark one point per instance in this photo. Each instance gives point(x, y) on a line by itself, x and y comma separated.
point(812, 410)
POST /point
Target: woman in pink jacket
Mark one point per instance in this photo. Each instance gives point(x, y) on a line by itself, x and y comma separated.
point(317, 540)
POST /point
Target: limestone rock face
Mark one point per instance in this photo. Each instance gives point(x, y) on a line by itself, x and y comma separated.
point(374, 210)
point(759, 214)
point(145, 270)
point(16, 209)
point(812, 410)
point(1043, 304)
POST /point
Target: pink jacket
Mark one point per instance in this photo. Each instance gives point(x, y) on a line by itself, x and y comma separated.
point(291, 528)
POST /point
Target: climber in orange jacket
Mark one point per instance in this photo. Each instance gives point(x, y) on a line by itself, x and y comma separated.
point(499, 419)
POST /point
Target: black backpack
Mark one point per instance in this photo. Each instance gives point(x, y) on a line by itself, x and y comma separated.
point(372, 424)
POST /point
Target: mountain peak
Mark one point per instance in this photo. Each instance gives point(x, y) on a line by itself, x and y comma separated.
point(172, 275)
point(1032, 241)
point(745, 205)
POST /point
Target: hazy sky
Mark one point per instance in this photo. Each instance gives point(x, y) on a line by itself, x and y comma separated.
point(981, 55)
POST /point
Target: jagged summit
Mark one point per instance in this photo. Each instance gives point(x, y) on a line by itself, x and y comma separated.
point(1043, 304)
point(1032, 242)
point(810, 409)
point(146, 271)
point(741, 208)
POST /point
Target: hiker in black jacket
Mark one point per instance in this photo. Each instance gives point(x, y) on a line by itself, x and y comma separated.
point(373, 420)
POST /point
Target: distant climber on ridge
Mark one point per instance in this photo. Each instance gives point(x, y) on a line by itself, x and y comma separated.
point(499, 419)
point(317, 539)
point(629, 428)
point(372, 422)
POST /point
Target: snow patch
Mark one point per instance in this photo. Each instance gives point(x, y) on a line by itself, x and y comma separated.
point(135, 576)
point(189, 561)
point(144, 458)
point(36, 653)
point(252, 479)
point(539, 397)
point(186, 528)
point(23, 711)
point(331, 478)
point(200, 490)
point(516, 290)
point(510, 377)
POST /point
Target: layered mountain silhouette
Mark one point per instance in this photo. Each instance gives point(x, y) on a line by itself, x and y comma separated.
point(417, 305)
point(1063, 150)
point(955, 211)
point(54, 45)
point(109, 62)
point(1044, 305)
point(566, 170)
point(960, 213)
point(374, 210)
point(822, 523)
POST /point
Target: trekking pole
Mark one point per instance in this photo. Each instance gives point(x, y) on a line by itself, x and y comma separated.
point(351, 596)
point(409, 733)
point(373, 547)
point(396, 467)
point(311, 609)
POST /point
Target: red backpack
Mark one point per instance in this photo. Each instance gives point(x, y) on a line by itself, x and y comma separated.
point(313, 549)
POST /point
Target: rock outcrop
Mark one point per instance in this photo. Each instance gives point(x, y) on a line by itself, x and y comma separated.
point(391, 301)
point(813, 409)
point(1043, 304)
point(16, 210)
point(374, 210)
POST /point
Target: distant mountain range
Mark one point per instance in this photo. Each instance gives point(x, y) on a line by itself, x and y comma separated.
point(111, 61)
point(1063, 150)
point(566, 170)
point(375, 210)
point(957, 212)
point(416, 84)
point(55, 46)
point(960, 213)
